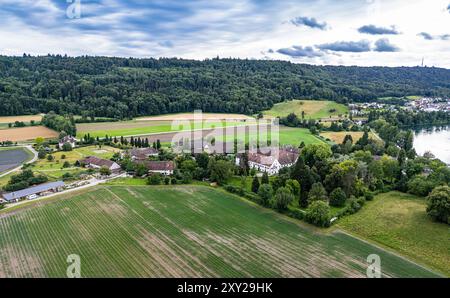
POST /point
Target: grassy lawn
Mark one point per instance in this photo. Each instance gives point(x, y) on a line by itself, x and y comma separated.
point(138, 127)
point(399, 221)
point(313, 109)
point(54, 169)
point(176, 231)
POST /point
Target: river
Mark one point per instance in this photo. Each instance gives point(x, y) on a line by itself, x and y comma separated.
point(434, 139)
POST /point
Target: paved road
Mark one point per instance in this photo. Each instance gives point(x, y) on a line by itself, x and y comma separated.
point(35, 156)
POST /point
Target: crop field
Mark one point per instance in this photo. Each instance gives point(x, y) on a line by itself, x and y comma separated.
point(182, 231)
point(13, 157)
point(399, 221)
point(141, 128)
point(315, 109)
point(27, 133)
point(287, 136)
point(25, 118)
point(338, 137)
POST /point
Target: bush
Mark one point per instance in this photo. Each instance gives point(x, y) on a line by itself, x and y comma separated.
point(155, 179)
point(67, 176)
point(354, 206)
point(167, 181)
point(104, 171)
point(173, 181)
point(66, 147)
point(296, 213)
point(66, 164)
point(318, 213)
point(438, 204)
point(338, 197)
point(368, 196)
point(265, 193)
point(186, 178)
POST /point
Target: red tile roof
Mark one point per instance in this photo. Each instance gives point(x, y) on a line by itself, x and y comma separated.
point(97, 161)
point(158, 165)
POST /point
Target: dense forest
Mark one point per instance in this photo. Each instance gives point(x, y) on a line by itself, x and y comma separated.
point(121, 87)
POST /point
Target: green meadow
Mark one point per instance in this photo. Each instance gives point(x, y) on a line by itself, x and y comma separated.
point(398, 221)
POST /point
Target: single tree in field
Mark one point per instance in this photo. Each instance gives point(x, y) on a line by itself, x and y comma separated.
point(318, 213)
point(255, 184)
point(438, 204)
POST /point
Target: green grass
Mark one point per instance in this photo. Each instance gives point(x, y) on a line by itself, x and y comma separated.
point(53, 169)
point(399, 221)
point(187, 231)
point(135, 128)
point(287, 136)
point(315, 109)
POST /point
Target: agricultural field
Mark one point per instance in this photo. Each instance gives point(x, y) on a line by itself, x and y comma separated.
point(190, 116)
point(181, 231)
point(143, 128)
point(338, 137)
point(11, 158)
point(399, 222)
point(27, 133)
point(287, 136)
point(25, 118)
point(54, 169)
point(315, 109)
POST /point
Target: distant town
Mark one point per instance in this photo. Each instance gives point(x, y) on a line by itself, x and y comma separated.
point(423, 104)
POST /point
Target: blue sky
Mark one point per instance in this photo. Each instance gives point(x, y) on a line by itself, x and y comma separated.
point(353, 32)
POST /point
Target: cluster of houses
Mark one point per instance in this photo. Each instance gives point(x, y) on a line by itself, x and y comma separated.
point(425, 104)
point(268, 159)
point(430, 104)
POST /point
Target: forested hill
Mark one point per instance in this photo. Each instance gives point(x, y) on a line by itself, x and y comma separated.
point(120, 87)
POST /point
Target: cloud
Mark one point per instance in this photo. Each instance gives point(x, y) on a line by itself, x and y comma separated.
point(383, 45)
point(448, 8)
point(299, 51)
point(347, 46)
point(166, 44)
point(374, 30)
point(428, 36)
point(309, 22)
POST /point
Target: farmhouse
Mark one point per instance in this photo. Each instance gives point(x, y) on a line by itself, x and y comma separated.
point(34, 192)
point(68, 139)
point(97, 163)
point(272, 160)
point(141, 153)
point(162, 167)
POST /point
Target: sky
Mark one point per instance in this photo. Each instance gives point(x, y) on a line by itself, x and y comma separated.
point(345, 32)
